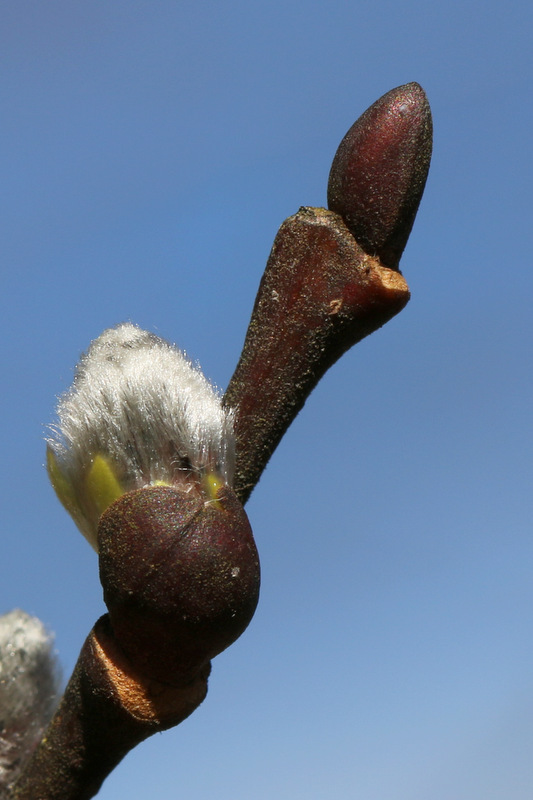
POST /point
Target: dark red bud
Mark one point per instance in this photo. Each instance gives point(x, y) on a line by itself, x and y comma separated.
point(379, 172)
point(180, 577)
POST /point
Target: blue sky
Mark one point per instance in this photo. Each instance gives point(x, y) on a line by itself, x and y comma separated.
point(149, 153)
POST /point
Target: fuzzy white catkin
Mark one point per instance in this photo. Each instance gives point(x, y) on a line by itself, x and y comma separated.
point(140, 403)
point(29, 686)
point(139, 399)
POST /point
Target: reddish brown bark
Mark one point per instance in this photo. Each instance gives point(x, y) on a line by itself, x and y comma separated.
point(106, 710)
point(320, 294)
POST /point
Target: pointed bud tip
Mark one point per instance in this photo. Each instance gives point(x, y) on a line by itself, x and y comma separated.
point(379, 171)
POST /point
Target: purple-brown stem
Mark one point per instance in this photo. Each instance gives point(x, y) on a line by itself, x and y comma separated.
point(106, 710)
point(320, 294)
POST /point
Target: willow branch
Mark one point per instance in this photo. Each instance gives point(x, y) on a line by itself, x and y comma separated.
point(332, 278)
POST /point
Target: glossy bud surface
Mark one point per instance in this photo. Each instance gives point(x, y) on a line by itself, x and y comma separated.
point(379, 172)
point(180, 576)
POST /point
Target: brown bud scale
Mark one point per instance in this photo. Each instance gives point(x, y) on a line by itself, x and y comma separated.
point(180, 577)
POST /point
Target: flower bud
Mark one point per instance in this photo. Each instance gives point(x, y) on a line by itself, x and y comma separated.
point(379, 172)
point(143, 459)
point(138, 414)
point(180, 577)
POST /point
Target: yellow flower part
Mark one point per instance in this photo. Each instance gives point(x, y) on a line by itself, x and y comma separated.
point(102, 485)
point(212, 483)
point(62, 486)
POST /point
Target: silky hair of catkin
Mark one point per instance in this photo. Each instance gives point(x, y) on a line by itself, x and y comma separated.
point(29, 688)
point(133, 388)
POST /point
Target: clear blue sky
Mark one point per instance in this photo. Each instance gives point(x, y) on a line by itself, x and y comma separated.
point(149, 152)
